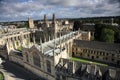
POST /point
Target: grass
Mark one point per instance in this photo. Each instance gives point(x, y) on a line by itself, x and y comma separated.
point(87, 61)
point(20, 48)
point(1, 76)
point(17, 43)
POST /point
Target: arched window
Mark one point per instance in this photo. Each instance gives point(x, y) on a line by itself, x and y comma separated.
point(36, 59)
point(48, 63)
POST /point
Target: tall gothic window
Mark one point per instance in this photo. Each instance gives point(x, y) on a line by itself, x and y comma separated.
point(27, 59)
point(48, 66)
point(36, 59)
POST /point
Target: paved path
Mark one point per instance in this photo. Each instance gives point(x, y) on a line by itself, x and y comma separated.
point(12, 71)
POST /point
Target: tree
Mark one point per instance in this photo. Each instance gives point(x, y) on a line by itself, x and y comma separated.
point(98, 30)
point(77, 25)
point(107, 35)
point(26, 25)
point(117, 37)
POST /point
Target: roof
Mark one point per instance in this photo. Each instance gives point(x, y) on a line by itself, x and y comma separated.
point(48, 47)
point(16, 52)
point(97, 45)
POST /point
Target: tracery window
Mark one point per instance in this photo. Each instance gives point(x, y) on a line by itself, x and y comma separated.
point(48, 63)
point(36, 60)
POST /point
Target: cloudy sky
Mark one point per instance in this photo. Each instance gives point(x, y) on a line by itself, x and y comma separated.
point(16, 10)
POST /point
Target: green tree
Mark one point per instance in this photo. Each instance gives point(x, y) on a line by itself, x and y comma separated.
point(26, 25)
point(77, 25)
point(98, 29)
point(117, 37)
point(107, 35)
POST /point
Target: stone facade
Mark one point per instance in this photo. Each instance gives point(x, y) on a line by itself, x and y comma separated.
point(31, 23)
point(42, 59)
point(75, 70)
point(14, 40)
point(99, 51)
point(47, 52)
point(51, 60)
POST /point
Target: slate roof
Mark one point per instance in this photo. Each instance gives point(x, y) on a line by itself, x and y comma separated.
point(97, 45)
point(48, 47)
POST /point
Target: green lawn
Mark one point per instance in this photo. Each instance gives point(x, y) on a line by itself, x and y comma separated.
point(1, 76)
point(20, 48)
point(87, 61)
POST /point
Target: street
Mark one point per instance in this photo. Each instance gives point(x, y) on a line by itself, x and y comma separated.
point(13, 71)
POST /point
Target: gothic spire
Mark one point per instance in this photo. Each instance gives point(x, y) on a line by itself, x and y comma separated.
point(41, 45)
point(45, 19)
point(54, 19)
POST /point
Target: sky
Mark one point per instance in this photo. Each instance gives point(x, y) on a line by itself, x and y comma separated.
point(17, 10)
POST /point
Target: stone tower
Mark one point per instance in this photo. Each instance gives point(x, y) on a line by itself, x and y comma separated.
point(31, 23)
point(54, 24)
point(45, 19)
point(54, 19)
point(112, 21)
point(45, 23)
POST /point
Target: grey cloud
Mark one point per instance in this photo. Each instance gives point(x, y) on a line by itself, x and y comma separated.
point(17, 10)
point(114, 1)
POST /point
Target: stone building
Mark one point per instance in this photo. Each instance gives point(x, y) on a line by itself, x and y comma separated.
point(31, 23)
point(14, 40)
point(42, 58)
point(51, 60)
point(47, 52)
point(48, 29)
point(17, 38)
point(97, 51)
point(68, 69)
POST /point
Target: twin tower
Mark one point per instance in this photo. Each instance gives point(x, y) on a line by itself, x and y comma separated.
point(31, 22)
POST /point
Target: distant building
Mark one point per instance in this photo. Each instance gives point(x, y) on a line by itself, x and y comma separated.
point(31, 23)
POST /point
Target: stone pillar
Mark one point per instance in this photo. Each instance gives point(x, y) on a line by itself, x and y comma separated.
point(34, 38)
point(112, 21)
point(89, 35)
point(49, 37)
point(44, 38)
point(41, 46)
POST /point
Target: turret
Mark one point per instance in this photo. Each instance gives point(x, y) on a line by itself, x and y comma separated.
point(54, 19)
point(54, 25)
point(30, 22)
point(45, 19)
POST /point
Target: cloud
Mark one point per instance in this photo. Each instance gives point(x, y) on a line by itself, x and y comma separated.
point(21, 9)
point(114, 1)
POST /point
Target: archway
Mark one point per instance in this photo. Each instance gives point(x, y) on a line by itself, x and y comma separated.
point(93, 57)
